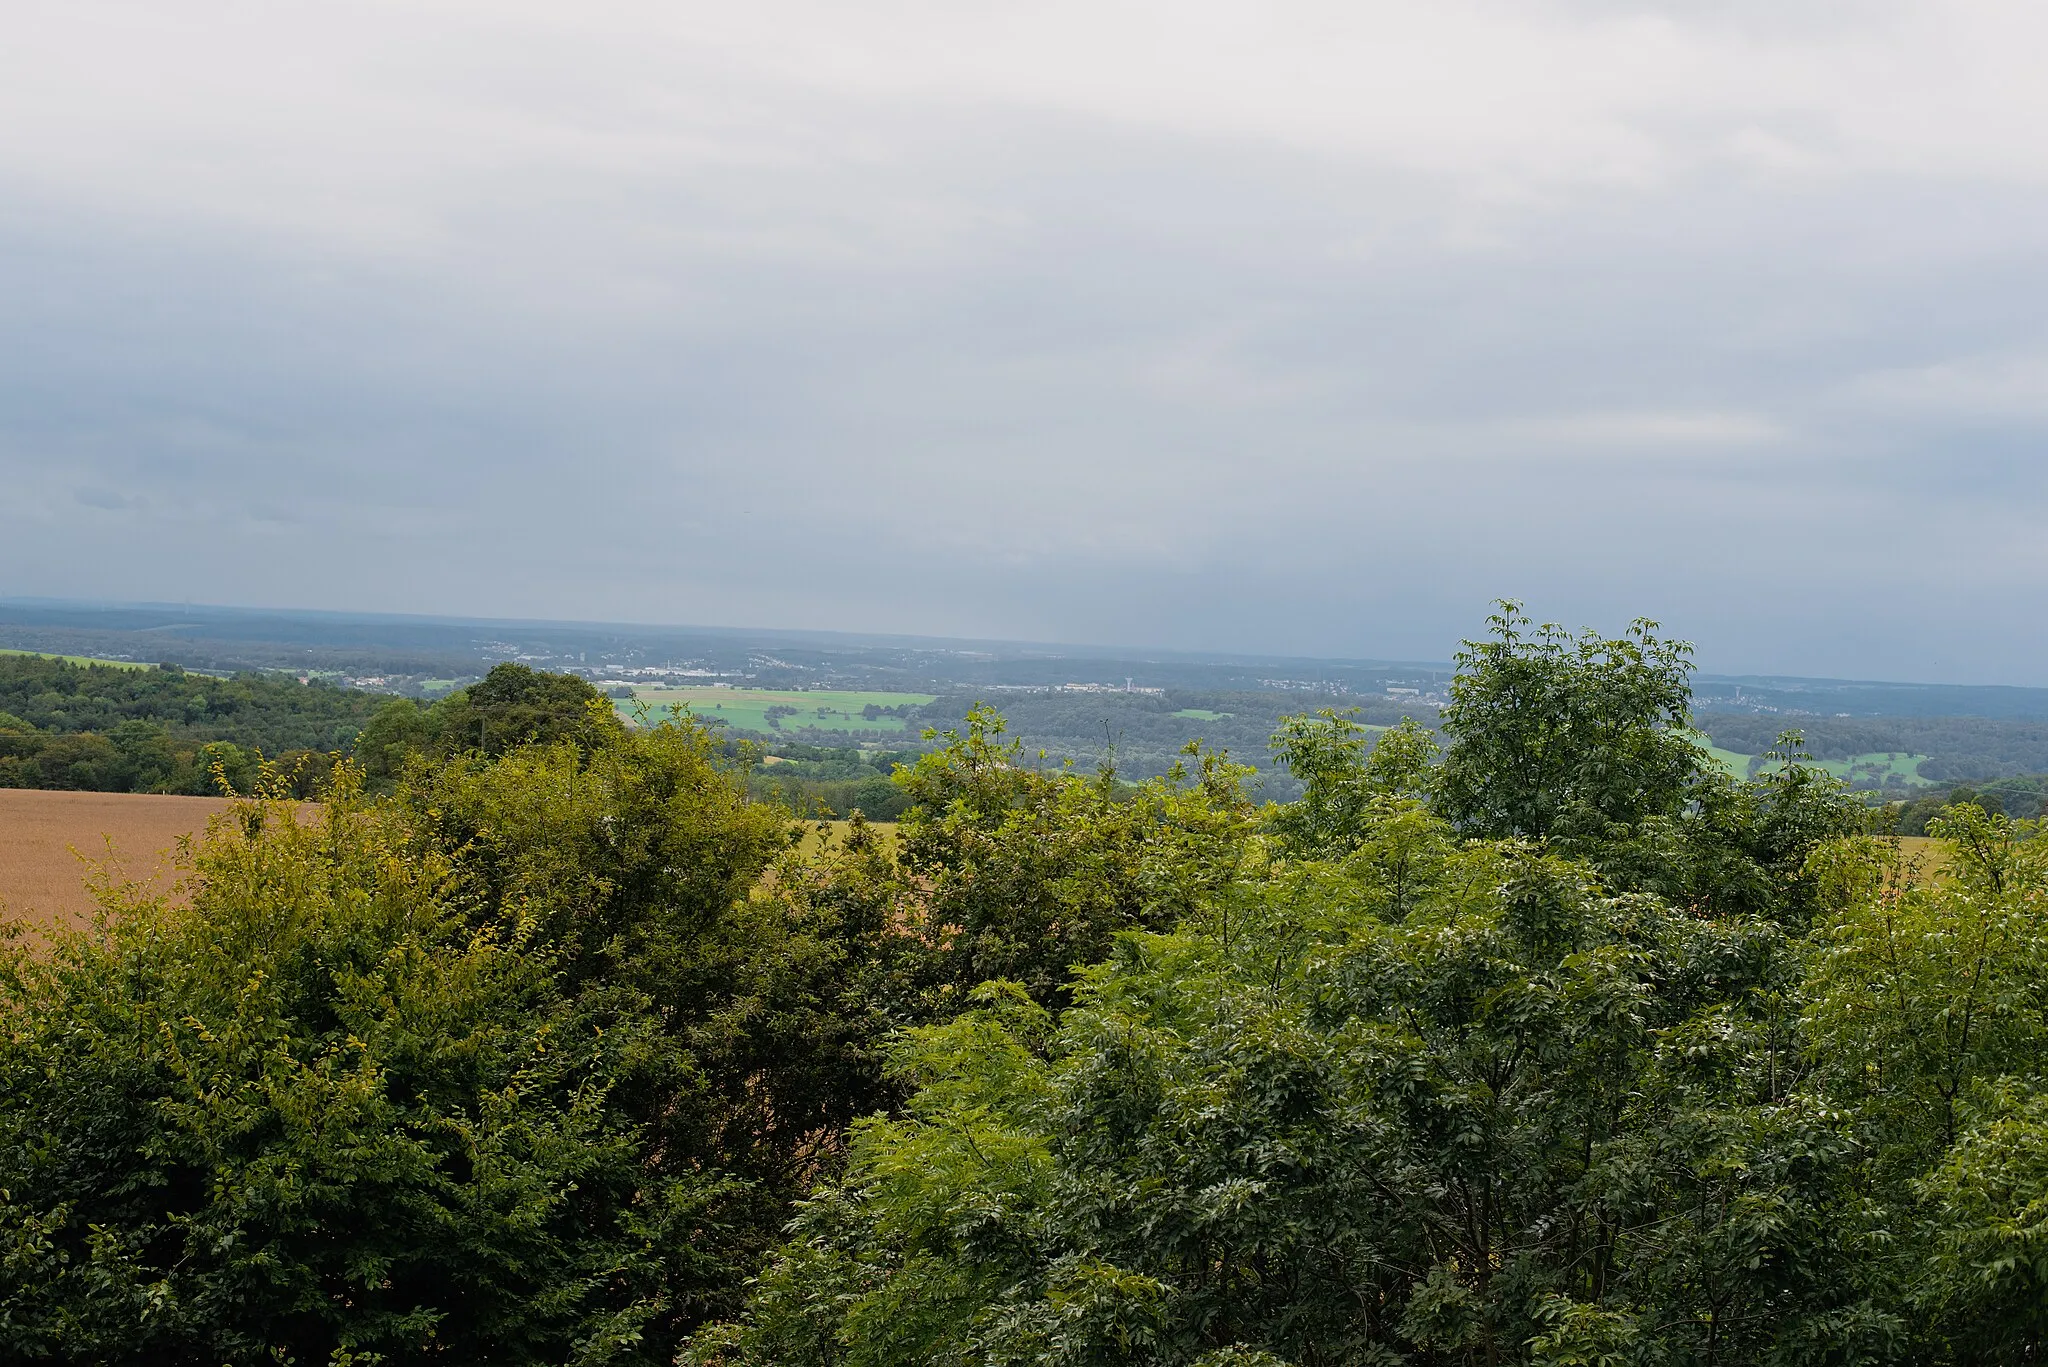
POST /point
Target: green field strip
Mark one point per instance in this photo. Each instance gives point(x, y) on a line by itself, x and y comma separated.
point(1877, 767)
point(79, 659)
point(1737, 765)
point(746, 709)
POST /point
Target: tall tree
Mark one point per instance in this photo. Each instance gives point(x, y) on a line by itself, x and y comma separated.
point(1556, 735)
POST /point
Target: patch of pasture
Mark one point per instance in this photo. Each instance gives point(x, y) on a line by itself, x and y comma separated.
point(1879, 768)
point(817, 833)
point(1736, 764)
point(79, 659)
point(747, 709)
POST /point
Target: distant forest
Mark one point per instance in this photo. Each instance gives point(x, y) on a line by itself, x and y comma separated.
point(110, 728)
point(165, 729)
point(1959, 748)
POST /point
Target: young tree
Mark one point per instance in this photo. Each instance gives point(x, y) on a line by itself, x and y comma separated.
point(1555, 735)
point(1351, 782)
point(1927, 1012)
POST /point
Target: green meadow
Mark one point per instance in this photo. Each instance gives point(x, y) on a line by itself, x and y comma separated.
point(79, 659)
point(1737, 765)
point(746, 709)
point(1878, 768)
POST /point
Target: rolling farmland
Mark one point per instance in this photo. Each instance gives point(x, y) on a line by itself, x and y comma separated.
point(748, 709)
point(49, 842)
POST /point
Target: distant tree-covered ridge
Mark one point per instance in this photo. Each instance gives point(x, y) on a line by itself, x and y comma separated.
point(1144, 733)
point(1958, 748)
point(107, 728)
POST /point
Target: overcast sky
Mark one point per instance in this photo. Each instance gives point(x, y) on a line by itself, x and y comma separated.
point(1290, 327)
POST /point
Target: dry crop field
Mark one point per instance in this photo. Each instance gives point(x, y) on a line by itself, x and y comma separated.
point(44, 834)
point(50, 841)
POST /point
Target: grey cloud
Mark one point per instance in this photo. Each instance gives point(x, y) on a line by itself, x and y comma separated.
point(930, 329)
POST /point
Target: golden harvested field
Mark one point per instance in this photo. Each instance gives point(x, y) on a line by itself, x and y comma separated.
point(43, 835)
point(1926, 850)
point(812, 843)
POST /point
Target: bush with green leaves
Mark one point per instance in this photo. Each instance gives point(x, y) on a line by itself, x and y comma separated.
point(1025, 872)
point(316, 1115)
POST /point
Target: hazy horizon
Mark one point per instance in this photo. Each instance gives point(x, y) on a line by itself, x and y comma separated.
point(1105, 650)
point(1300, 330)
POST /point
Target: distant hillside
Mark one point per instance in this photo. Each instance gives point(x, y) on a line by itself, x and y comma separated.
point(1146, 733)
point(115, 728)
point(1957, 748)
point(1801, 699)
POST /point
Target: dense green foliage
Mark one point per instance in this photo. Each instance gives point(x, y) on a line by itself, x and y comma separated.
point(1334, 1136)
point(1557, 1046)
point(1021, 873)
point(1637, 1090)
point(321, 1112)
point(510, 707)
point(111, 729)
point(833, 782)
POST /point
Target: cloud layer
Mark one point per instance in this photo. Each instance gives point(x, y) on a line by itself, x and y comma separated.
point(1291, 327)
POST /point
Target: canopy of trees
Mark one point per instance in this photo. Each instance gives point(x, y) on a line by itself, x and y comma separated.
point(113, 729)
point(1558, 1046)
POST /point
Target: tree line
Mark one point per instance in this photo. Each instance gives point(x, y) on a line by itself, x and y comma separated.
point(163, 730)
point(1536, 1039)
point(1970, 749)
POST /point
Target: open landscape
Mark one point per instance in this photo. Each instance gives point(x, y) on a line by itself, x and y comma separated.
point(1325, 683)
point(569, 934)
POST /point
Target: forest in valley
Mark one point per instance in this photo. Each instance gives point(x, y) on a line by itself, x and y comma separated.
point(1536, 1037)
